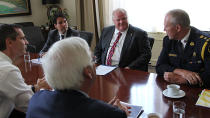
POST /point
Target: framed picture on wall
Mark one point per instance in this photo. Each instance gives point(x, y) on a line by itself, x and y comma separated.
point(14, 8)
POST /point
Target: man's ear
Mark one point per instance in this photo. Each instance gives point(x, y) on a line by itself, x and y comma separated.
point(178, 28)
point(8, 42)
point(88, 72)
point(55, 25)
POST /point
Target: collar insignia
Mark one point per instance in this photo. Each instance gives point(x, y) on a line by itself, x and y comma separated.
point(192, 43)
point(194, 54)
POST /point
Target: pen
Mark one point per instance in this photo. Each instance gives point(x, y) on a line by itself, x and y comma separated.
point(140, 113)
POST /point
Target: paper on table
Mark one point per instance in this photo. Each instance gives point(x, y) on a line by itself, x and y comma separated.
point(103, 70)
point(36, 61)
point(204, 99)
point(135, 110)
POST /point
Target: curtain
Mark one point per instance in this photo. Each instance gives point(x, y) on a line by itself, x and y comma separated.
point(87, 13)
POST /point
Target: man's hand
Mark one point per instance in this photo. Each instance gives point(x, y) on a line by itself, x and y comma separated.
point(191, 77)
point(127, 67)
point(42, 84)
point(174, 78)
point(116, 102)
point(42, 54)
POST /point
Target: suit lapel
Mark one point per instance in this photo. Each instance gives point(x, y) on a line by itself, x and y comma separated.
point(69, 32)
point(108, 41)
point(57, 36)
point(189, 49)
point(127, 41)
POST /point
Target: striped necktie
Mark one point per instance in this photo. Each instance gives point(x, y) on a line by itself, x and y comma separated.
point(111, 52)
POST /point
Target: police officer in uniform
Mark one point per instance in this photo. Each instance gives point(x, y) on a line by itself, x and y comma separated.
point(185, 57)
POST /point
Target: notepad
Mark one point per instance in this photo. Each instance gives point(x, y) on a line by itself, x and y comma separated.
point(36, 61)
point(103, 70)
point(204, 99)
point(135, 110)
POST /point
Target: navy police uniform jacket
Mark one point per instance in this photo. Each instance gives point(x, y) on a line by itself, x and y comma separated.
point(195, 57)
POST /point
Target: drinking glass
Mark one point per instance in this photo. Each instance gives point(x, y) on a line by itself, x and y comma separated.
point(179, 109)
point(27, 62)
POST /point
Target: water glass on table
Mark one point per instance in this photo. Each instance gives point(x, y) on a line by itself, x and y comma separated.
point(27, 61)
point(27, 57)
point(179, 109)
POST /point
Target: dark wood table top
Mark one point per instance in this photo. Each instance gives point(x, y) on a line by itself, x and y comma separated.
point(138, 88)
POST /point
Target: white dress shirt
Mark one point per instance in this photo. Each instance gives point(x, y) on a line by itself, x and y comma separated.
point(62, 34)
point(118, 48)
point(185, 39)
point(14, 93)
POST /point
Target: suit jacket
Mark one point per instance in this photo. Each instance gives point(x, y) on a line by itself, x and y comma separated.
point(196, 55)
point(54, 36)
point(69, 104)
point(136, 51)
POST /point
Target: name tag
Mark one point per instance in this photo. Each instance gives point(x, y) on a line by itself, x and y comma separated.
point(172, 55)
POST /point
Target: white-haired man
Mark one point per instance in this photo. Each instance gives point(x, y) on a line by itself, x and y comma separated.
point(69, 70)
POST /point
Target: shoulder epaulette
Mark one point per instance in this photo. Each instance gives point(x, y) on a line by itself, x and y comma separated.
point(205, 37)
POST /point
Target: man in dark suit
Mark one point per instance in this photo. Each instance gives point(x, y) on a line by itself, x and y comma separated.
point(60, 32)
point(123, 45)
point(68, 69)
point(185, 57)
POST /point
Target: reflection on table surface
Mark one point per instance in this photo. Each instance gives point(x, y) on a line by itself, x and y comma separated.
point(135, 87)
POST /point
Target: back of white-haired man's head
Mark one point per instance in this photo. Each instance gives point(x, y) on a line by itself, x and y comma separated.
point(64, 63)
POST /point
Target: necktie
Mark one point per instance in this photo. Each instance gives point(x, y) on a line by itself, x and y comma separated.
point(62, 36)
point(111, 52)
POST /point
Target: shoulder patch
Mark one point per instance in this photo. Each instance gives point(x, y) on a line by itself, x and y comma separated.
point(204, 37)
point(192, 43)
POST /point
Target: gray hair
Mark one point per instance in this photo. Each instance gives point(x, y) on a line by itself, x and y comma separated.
point(64, 63)
point(119, 10)
point(179, 17)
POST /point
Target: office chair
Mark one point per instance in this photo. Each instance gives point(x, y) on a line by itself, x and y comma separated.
point(88, 36)
point(26, 24)
point(151, 41)
point(35, 38)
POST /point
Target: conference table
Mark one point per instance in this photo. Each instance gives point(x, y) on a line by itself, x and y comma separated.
point(134, 87)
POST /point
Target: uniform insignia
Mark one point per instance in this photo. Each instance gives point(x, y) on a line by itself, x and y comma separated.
point(172, 55)
point(192, 43)
point(199, 62)
point(201, 36)
point(194, 54)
